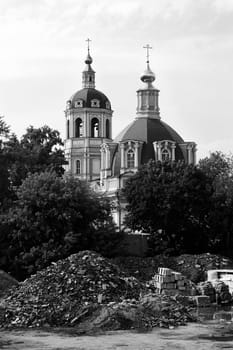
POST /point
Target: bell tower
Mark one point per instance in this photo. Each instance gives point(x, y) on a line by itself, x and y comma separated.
point(88, 124)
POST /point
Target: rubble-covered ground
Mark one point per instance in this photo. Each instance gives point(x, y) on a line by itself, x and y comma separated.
point(93, 294)
point(89, 292)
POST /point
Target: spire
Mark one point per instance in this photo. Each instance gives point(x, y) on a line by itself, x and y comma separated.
point(148, 96)
point(88, 73)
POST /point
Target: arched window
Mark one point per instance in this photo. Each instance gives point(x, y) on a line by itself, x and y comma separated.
point(78, 127)
point(130, 159)
point(165, 155)
point(107, 129)
point(68, 129)
point(78, 167)
point(95, 127)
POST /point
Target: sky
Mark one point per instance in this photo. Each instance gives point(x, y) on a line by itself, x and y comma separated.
point(43, 47)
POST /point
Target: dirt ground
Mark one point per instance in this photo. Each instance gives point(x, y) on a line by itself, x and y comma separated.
point(195, 336)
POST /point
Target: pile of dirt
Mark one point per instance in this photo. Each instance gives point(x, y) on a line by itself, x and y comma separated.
point(150, 311)
point(194, 267)
point(6, 282)
point(60, 294)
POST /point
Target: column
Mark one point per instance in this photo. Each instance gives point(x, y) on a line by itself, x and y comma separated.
point(173, 151)
point(189, 155)
point(136, 155)
point(122, 147)
point(159, 151)
point(194, 155)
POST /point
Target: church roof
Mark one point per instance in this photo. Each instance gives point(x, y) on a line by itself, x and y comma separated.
point(89, 94)
point(150, 130)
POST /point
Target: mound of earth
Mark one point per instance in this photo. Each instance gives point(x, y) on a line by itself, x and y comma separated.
point(66, 290)
point(150, 311)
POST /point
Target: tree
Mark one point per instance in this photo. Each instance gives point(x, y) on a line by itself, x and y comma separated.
point(4, 178)
point(219, 168)
point(170, 200)
point(54, 217)
point(38, 150)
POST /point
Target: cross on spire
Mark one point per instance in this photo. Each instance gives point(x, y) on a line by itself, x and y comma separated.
point(147, 47)
point(88, 44)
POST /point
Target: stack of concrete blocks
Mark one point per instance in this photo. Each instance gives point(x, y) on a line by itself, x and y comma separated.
point(170, 282)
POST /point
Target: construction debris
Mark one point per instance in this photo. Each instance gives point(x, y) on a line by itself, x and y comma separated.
point(58, 294)
point(87, 289)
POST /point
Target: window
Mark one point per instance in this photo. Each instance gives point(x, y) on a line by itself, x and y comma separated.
point(165, 155)
point(130, 159)
point(108, 105)
point(68, 104)
point(68, 129)
point(78, 127)
point(107, 129)
point(78, 103)
point(95, 127)
point(78, 167)
point(95, 103)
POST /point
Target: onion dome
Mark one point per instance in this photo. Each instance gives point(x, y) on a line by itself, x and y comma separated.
point(148, 76)
point(89, 59)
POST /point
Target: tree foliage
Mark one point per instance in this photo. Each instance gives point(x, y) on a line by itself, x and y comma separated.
point(170, 200)
point(52, 218)
point(219, 168)
point(38, 150)
point(4, 177)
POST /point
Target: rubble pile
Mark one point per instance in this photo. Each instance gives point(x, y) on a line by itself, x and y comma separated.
point(66, 290)
point(169, 282)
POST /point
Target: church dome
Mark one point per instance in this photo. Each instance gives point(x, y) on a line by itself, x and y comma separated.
point(150, 130)
point(90, 98)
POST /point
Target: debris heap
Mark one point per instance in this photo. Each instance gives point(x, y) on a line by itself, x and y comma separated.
point(61, 293)
point(89, 292)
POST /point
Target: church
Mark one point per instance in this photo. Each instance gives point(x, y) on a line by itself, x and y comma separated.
point(93, 155)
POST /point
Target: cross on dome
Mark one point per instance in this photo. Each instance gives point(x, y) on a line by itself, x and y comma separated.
point(89, 58)
point(147, 47)
point(88, 44)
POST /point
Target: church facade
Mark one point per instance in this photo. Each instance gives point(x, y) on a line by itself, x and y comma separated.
point(107, 163)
